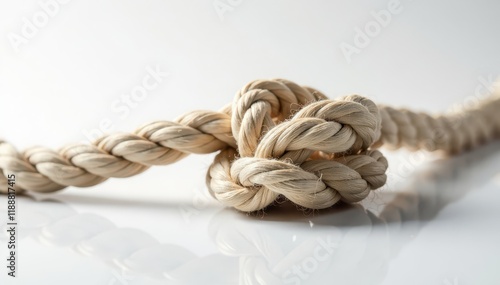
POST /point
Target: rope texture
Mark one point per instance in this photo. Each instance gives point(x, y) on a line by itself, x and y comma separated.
point(276, 138)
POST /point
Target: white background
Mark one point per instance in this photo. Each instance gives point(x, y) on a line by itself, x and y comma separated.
point(61, 81)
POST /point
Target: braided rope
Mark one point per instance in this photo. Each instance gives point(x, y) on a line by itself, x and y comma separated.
point(276, 138)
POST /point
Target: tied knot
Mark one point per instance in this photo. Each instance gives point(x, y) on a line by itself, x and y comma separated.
point(261, 104)
point(317, 157)
point(276, 139)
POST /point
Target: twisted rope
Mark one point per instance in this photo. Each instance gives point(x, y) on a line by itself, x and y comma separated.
point(256, 250)
point(276, 138)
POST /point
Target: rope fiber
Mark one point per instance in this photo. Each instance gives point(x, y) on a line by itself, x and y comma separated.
point(276, 138)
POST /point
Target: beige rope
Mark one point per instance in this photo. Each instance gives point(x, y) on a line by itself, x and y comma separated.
point(276, 138)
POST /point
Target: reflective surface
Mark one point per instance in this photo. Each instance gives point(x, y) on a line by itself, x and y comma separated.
point(440, 227)
point(78, 74)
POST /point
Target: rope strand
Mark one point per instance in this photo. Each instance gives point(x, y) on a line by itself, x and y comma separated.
point(276, 138)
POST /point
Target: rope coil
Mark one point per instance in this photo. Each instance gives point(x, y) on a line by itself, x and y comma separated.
point(276, 138)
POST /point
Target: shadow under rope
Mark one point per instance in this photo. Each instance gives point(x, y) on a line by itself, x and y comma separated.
point(362, 243)
point(346, 243)
point(440, 183)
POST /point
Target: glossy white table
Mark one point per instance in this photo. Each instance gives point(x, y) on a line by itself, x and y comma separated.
point(436, 222)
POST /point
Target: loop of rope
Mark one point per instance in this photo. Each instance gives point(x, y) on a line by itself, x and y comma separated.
point(276, 138)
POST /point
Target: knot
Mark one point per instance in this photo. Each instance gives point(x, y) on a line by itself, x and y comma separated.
point(276, 137)
point(261, 104)
point(357, 117)
point(315, 159)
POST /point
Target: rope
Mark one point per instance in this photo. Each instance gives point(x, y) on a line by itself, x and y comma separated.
point(276, 138)
point(243, 246)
